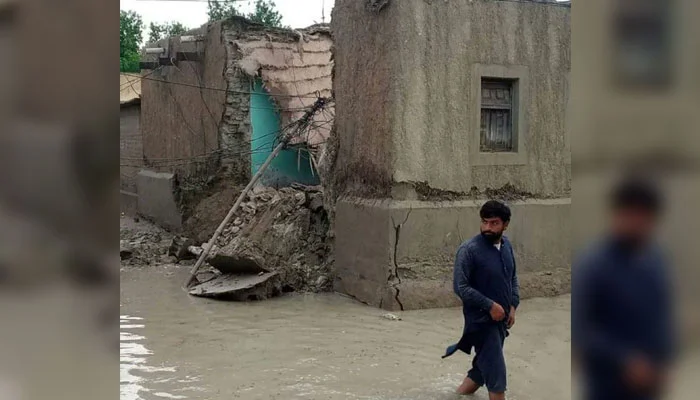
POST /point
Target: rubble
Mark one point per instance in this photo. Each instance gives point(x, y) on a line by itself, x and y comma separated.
point(282, 231)
point(278, 242)
point(391, 317)
point(180, 248)
point(142, 243)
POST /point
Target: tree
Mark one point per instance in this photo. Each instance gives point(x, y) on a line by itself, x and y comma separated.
point(218, 10)
point(264, 12)
point(160, 31)
point(130, 36)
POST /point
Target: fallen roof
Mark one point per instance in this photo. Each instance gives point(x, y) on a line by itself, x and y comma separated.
point(296, 67)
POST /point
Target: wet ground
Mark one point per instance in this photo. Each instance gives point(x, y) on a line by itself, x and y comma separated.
point(316, 347)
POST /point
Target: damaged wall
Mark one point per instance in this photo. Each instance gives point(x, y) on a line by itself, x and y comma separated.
point(418, 111)
point(399, 255)
point(292, 164)
point(295, 66)
point(194, 131)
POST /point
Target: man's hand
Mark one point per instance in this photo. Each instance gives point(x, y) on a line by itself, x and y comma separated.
point(511, 317)
point(641, 375)
point(497, 312)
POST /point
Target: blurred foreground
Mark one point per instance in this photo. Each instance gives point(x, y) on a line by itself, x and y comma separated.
point(635, 101)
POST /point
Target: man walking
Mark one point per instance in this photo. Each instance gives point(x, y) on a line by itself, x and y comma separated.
point(485, 280)
point(622, 313)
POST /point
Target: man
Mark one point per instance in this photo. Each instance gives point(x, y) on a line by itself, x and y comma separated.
point(622, 324)
point(485, 280)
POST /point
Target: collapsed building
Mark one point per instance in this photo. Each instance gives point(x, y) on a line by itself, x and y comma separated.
point(213, 103)
point(440, 105)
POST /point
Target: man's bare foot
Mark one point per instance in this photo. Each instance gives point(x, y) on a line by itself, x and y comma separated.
point(468, 386)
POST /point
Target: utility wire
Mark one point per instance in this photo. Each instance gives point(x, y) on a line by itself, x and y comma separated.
point(221, 89)
point(130, 83)
point(228, 151)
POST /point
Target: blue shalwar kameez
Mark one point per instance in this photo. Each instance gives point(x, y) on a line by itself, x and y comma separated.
point(484, 274)
point(621, 306)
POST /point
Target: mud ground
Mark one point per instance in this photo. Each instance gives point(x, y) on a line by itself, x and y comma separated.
point(316, 347)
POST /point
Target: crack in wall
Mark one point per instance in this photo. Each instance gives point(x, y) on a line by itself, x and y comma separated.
point(394, 278)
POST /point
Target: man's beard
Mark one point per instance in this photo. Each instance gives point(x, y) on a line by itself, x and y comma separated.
point(631, 242)
point(491, 236)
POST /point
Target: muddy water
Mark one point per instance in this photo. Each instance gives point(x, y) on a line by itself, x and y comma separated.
point(316, 347)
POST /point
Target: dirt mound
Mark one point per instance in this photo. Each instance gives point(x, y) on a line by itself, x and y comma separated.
point(206, 216)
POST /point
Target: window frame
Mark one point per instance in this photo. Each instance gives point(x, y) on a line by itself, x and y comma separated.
point(519, 76)
point(510, 86)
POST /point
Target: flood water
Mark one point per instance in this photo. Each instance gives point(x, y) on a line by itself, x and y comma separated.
point(174, 346)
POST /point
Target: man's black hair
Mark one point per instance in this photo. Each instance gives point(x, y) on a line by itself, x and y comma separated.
point(495, 209)
point(636, 193)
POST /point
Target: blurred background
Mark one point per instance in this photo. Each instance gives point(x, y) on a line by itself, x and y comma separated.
point(58, 200)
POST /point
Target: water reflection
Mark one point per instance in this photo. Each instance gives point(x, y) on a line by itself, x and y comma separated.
point(134, 370)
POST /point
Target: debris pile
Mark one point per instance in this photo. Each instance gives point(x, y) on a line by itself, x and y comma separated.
point(142, 243)
point(278, 242)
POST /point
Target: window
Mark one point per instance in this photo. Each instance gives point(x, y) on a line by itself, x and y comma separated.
point(642, 52)
point(498, 131)
point(497, 101)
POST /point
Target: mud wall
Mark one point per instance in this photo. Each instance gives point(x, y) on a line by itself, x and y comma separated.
point(408, 90)
point(366, 63)
point(130, 147)
point(130, 156)
point(179, 121)
point(407, 83)
point(400, 254)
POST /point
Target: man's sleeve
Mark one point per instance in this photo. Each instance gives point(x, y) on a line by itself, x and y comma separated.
point(515, 284)
point(462, 283)
point(588, 338)
point(667, 314)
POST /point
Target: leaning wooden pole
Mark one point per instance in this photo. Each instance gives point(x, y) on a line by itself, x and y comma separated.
point(303, 123)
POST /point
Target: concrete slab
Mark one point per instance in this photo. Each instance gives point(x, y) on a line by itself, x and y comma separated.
point(236, 287)
point(128, 203)
point(157, 199)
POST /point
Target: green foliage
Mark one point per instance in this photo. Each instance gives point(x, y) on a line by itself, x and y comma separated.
point(264, 12)
point(218, 10)
point(130, 36)
point(161, 31)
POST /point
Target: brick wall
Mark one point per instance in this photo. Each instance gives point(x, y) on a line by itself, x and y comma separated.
point(236, 129)
point(130, 147)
